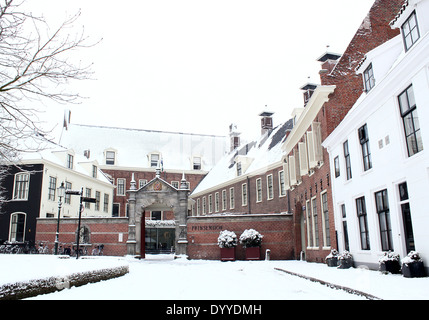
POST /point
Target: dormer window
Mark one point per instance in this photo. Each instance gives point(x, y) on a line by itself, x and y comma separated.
point(239, 170)
point(154, 159)
point(70, 161)
point(410, 31)
point(110, 157)
point(196, 163)
point(368, 77)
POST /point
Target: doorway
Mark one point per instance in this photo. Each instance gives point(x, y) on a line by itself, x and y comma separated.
point(159, 240)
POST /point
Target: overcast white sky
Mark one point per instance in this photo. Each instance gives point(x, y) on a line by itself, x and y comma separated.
point(198, 65)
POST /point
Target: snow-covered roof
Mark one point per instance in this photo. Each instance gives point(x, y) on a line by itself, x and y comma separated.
point(134, 146)
point(254, 157)
point(57, 155)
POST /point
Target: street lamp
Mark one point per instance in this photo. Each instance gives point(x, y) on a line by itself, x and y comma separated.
point(61, 192)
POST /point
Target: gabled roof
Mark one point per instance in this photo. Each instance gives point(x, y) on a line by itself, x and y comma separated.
point(259, 155)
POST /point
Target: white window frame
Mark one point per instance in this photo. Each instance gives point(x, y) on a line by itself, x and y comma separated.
point(282, 184)
point(244, 195)
point(270, 187)
point(11, 226)
point(123, 182)
point(258, 190)
point(231, 198)
point(21, 187)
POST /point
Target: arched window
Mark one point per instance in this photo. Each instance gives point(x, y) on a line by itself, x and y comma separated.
point(17, 227)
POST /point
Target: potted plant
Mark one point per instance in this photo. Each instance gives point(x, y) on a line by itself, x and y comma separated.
point(412, 266)
point(332, 258)
point(345, 260)
point(389, 262)
point(227, 242)
point(251, 241)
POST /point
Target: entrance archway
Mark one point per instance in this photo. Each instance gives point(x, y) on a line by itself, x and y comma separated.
point(157, 195)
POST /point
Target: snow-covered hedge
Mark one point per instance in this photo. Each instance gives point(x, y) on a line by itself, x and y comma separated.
point(227, 239)
point(389, 256)
point(32, 288)
point(251, 238)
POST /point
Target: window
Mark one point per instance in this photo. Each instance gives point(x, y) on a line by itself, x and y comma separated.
point(204, 205)
point(217, 202)
point(337, 166)
point(368, 77)
point(94, 171)
point(347, 160)
point(223, 200)
point(244, 194)
point(197, 163)
point(175, 184)
point(406, 217)
point(110, 157)
point(282, 187)
point(345, 231)
point(363, 223)
point(22, 184)
point(239, 169)
point(382, 205)
point(198, 206)
point(67, 197)
point(106, 203)
point(17, 227)
point(315, 222)
point(364, 142)
point(258, 190)
point(309, 224)
point(142, 183)
point(70, 161)
point(88, 192)
point(231, 198)
point(97, 200)
point(270, 191)
point(115, 210)
point(210, 200)
point(156, 215)
point(325, 219)
point(154, 160)
point(408, 108)
point(52, 187)
point(120, 187)
point(410, 31)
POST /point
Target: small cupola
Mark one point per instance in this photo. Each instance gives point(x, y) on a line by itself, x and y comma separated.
point(266, 122)
point(308, 91)
point(234, 135)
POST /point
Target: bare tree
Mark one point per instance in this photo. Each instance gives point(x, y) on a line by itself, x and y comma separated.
point(35, 65)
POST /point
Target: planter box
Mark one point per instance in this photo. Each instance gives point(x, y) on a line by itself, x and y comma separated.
point(392, 266)
point(345, 263)
point(332, 262)
point(253, 253)
point(227, 254)
point(413, 270)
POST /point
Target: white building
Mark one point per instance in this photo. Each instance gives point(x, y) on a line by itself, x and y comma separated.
point(379, 153)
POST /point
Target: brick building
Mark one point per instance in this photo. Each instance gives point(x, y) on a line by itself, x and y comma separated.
point(245, 190)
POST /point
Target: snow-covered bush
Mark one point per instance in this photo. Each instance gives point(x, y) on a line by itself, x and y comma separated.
point(333, 254)
point(413, 256)
point(251, 238)
point(227, 239)
point(345, 255)
point(389, 256)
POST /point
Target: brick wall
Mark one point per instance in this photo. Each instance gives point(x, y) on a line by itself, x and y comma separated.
point(277, 230)
point(193, 179)
point(106, 231)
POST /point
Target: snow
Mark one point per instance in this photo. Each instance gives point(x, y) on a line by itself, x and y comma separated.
point(160, 277)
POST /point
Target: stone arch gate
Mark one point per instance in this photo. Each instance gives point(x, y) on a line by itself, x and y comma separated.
point(157, 194)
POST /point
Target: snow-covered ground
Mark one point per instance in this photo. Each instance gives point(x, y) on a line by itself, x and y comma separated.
point(163, 278)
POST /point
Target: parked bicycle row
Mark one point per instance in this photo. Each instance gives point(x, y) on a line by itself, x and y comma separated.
point(69, 249)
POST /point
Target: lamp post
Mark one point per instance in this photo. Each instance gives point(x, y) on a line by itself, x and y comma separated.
point(61, 192)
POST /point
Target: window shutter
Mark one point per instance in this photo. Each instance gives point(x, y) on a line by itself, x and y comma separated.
point(312, 163)
point(297, 168)
point(292, 171)
point(286, 173)
point(303, 160)
point(317, 139)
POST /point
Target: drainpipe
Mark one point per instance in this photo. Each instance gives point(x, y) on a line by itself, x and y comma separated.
point(248, 195)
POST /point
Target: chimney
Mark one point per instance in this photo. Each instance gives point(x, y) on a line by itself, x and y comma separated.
point(234, 136)
point(266, 122)
point(87, 153)
point(329, 61)
point(308, 91)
